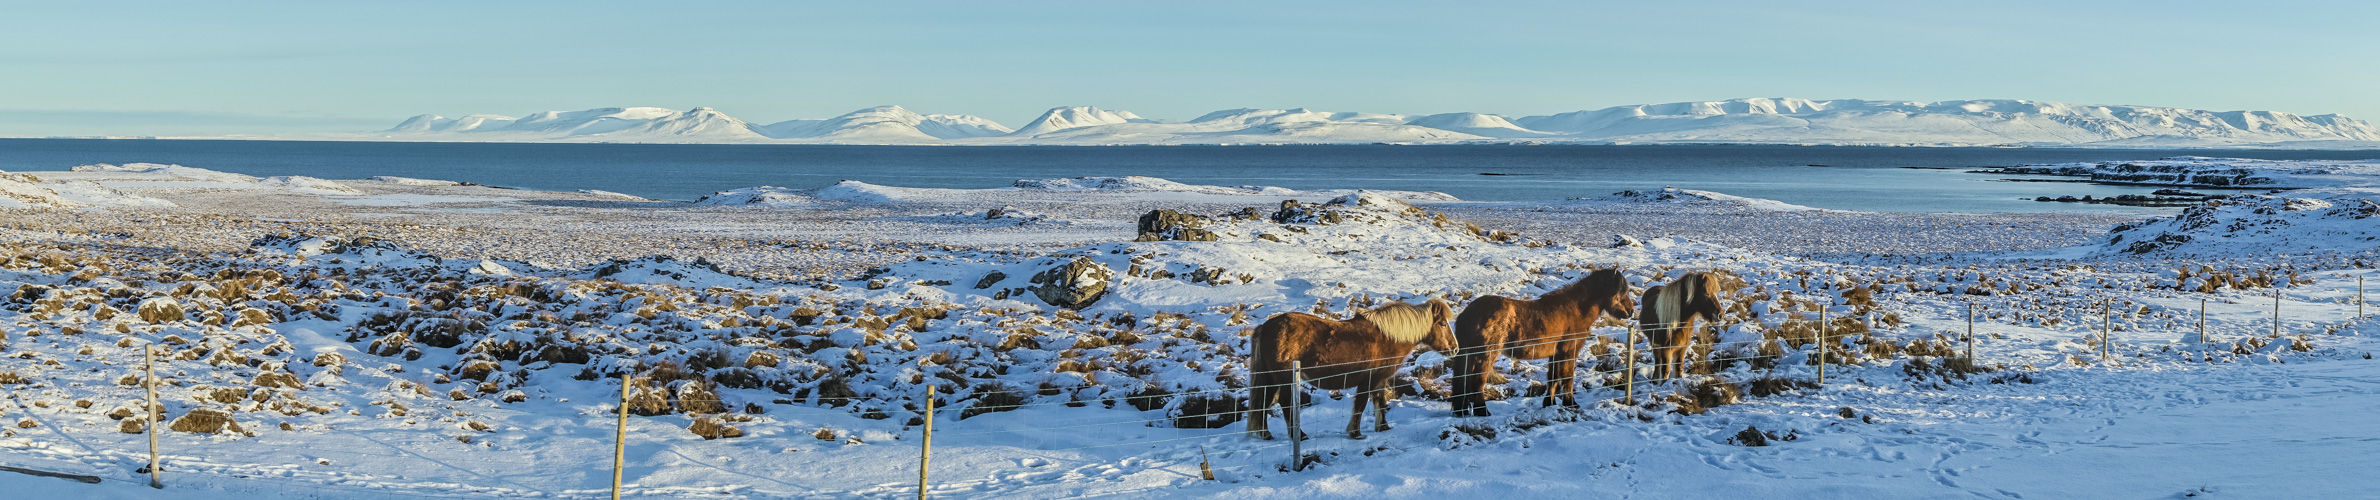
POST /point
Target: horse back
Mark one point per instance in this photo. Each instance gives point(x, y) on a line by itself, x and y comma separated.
point(1486, 321)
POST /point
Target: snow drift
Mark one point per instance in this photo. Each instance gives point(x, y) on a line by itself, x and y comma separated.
point(2258, 226)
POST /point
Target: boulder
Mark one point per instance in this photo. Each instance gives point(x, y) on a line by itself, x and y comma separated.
point(1073, 285)
point(1165, 225)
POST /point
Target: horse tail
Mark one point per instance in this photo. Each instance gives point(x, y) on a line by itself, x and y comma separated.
point(1270, 353)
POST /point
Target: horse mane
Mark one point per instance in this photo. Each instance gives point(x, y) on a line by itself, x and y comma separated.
point(1673, 298)
point(1401, 321)
point(1586, 288)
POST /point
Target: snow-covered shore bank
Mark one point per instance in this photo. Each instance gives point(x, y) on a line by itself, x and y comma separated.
point(467, 341)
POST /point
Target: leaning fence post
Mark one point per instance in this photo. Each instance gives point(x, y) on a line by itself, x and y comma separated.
point(1297, 430)
point(620, 435)
point(1629, 377)
point(925, 453)
point(155, 413)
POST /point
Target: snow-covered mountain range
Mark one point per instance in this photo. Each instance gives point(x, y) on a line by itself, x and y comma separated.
point(1754, 121)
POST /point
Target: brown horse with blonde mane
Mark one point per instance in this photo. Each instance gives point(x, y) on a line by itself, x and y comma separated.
point(1668, 319)
point(1554, 326)
point(1361, 354)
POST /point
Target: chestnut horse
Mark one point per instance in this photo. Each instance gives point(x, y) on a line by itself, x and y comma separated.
point(1554, 326)
point(1361, 354)
point(1668, 319)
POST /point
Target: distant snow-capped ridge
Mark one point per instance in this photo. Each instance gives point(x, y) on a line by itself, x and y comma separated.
point(1742, 121)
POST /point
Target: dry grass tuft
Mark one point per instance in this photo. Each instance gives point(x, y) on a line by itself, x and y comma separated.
point(1704, 394)
point(206, 421)
point(711, 428)
point(1771, 386)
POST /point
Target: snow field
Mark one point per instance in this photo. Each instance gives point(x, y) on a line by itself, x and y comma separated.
point(446, 375)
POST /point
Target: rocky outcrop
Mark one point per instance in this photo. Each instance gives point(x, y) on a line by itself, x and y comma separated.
point(1073, 285)
point(1292, 212)
point(1169, 225)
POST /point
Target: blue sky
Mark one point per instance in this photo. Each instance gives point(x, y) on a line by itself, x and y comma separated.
point(172, 68)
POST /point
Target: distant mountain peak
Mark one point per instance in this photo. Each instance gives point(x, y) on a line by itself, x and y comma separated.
point(1765, 120)
point(1067, 117)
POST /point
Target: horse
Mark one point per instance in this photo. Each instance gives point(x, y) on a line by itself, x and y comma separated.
point(1555, 325)
point(1361, 354)
point(1668, 315)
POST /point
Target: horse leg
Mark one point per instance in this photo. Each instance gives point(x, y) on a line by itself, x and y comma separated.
point(1563, 369)
point(1355, 421)
point(1671, 356)
point(1461, 365)
point(1260, 409)
point(1661, 362)
point(1660, 342)
point(1467, 382)
point(1380, 408)
point(1487, 365)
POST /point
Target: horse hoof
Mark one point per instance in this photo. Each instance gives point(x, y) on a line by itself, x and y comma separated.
point(1479, 412)
point(1380, 429)
point(1264, 436)
point(1355, 435)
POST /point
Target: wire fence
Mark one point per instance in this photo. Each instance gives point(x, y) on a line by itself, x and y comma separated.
point(1218, 450)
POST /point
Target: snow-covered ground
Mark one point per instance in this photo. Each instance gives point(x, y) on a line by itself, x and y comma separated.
point(444, 340)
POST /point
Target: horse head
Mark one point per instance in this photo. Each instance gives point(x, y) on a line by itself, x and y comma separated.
point(1609, 291)
point(1441, 336)
point(1707, 299)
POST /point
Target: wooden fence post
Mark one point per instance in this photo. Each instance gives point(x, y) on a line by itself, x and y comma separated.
point(1297, 429)
point(2107, 325)
point(1822, 347)
point(2202, 321)
point(925, 453)
point(2276, 311)
point(620, 435)
point(156, 414)
point(1970, 332)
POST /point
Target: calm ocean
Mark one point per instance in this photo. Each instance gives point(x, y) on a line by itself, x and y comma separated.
point(1849, 178)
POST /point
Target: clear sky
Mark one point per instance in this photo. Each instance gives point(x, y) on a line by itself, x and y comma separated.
point(177, 68)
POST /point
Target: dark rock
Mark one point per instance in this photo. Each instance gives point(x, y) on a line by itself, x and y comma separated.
point(990, 279)
point(1292, 212)
point(1073, 285)
point(1750, 436)
point(1164, 225)
point(1207, 412)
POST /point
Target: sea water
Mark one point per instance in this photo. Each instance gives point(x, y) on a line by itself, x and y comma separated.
point(1894, 179)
